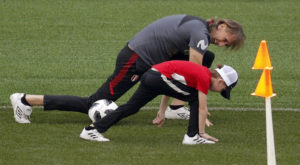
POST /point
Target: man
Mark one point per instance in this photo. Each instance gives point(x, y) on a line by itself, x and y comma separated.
point(156, 43)
point(177, 110)
point(179, 79)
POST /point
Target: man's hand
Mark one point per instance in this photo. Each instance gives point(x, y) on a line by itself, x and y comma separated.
point(159, 120)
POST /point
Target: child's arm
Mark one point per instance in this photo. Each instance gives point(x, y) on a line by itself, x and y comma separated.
point(202, 111)
point(203, 116)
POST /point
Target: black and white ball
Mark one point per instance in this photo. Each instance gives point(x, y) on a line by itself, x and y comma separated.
point(101, 108)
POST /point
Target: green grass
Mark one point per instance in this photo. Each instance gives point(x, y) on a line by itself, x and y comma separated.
point(53, 138)
point(70, 47)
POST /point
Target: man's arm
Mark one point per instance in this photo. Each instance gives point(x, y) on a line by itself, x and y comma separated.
point(160, 118)
point(195, 56)
point(164, 104)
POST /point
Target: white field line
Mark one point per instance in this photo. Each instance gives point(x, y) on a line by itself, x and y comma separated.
point(211, 108)
point(237, 109)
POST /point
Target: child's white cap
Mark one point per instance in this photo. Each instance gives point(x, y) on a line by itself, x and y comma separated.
point(230, 76)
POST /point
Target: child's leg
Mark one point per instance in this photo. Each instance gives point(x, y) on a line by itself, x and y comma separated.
point(141, 97)
point(193, 127)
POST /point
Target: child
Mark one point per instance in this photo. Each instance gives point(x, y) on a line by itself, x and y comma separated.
point(183, 80)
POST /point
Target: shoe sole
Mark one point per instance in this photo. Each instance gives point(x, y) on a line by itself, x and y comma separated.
point(211, 142)
point(93, 139)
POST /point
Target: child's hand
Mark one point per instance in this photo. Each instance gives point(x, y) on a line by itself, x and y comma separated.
point(208, 123)
point(208, 137)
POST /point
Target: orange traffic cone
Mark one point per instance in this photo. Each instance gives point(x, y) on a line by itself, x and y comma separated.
point(262, 60)
point(264, 87)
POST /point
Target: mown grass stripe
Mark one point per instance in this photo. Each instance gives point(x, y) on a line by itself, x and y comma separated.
point(210, 108)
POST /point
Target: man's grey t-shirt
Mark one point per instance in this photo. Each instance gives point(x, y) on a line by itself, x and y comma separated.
point(170, 35)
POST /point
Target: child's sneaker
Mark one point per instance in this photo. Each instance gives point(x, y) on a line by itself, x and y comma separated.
point(196, 140)
point(93, 135)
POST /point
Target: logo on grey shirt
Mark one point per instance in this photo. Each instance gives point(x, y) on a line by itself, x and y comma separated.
point(202, 45)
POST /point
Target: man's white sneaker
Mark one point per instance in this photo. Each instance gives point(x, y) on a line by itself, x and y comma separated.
point(93, 135)
point(21, 111)
point(195, 140)
point(180, 113)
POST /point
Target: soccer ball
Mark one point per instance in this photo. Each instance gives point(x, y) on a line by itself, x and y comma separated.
point(101, 108)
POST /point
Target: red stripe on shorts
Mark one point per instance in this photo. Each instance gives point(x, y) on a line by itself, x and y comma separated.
point(114, 82)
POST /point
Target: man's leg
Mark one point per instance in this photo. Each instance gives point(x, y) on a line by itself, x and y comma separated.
point(22, 104)
point(58, 102)
point(125, 76)
point(129, 67)
point(34, 100)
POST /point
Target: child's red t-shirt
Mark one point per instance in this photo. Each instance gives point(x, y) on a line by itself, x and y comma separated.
point(188, 73)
